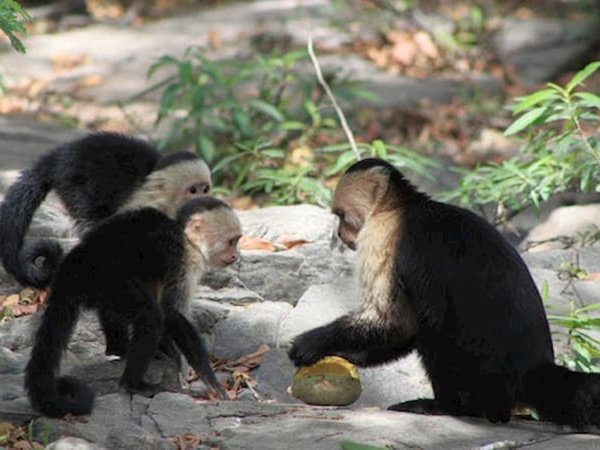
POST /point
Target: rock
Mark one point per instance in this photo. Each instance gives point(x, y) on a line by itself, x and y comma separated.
point(319, 305)
point(539, 50)
point(566, 221)
point(73, 443)
point(246, 328)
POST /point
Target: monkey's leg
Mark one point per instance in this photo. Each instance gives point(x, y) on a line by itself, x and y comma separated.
point(116, 331)
point(168, 349)
point(360, 341)
point(192, 347)
point(147, 331)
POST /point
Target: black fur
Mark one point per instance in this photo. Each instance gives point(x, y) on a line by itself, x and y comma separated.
point(93, 176)
point(482, 336)
point(118, 269)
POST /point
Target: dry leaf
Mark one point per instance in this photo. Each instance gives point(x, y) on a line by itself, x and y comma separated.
point(215, 40)
point(250, 243)
point(593, 276)
point(23, 310)
point(294, 243)
point(11, 300)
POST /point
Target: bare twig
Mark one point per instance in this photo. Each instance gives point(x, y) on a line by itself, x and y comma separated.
point(327, 89)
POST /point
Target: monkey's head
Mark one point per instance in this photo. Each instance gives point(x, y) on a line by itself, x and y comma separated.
point(213, 228)
point(185, 174)
point(176, 178)
point(368, 188)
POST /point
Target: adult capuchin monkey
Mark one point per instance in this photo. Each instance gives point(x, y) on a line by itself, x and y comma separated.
point(94, 176)
point(141, 266)
point(439, 279)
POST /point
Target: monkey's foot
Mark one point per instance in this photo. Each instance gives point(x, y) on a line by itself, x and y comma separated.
point(144, 389)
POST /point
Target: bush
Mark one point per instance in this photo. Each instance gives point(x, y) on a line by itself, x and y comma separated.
point(557, 154)
point(262, 126)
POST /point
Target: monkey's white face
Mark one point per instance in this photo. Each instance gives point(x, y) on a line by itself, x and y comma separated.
point(216, 233)
point(193, 179)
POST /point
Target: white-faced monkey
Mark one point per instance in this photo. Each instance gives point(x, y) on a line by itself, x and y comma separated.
point(440, 280)
point(94, 176)
point(139, 266)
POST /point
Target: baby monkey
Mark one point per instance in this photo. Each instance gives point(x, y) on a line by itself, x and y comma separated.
point(140, 266)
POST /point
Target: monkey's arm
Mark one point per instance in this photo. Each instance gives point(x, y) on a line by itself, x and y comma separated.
point(360, 341)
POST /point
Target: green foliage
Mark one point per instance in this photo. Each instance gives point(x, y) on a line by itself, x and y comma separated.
point(12, 16)
point(583, 349)
point(556, 156)
point(260, 124)
point(351, 445)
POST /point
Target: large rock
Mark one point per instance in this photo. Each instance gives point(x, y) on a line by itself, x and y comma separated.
point(539, 50)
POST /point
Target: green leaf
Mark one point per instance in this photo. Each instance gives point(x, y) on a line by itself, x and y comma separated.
point(534, 99)
point(206, 148)
point(525, 120)
point(351, 445)
point(590, 99)
point(545, 291)
point(580, 76)
point(269, 110)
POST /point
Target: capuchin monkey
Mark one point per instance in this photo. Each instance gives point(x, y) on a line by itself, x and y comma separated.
point(440, 280)
point(139, 265)
point(94, 176)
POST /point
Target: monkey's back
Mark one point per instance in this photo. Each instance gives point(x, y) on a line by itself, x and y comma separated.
point(140, 246)
point(478, 291)
point(95, 175)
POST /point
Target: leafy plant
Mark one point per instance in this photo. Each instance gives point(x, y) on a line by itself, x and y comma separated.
point(557, 153)
point(262, 125)
point(12, 16)
point(583, 349)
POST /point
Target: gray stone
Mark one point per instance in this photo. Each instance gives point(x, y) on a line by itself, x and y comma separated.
point(568, 221)
point(319, 305)
point(72, 443)
point(539, 50)
point(246, 328)
point(280, 223)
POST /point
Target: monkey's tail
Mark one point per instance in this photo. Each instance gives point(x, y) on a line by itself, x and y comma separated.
point(51, 395)
point(562, 396)
point(16, 211)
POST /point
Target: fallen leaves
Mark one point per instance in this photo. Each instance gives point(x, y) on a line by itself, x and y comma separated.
point(25, 302)
point(240, 370)
point(14, 437)
point(191, 440)
point(254, 243)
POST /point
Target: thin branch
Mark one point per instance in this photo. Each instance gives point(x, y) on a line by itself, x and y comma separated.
point(329, 93)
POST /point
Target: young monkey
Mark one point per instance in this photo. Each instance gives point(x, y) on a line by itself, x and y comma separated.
point(138, 265)
point(94, 177)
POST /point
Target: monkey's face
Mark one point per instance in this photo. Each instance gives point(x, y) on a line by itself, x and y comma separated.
point(216, 233)
point(355, 199)
point(350, 207)
point(185, 181)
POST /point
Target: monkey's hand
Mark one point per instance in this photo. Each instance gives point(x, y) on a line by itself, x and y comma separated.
point(309, 347)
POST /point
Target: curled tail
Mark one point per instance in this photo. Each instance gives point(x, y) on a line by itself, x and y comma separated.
point(51, 395)
point(16, 211)
point(562, 396)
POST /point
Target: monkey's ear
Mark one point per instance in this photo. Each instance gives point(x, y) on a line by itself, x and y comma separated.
point(378, 178)
point(196, 223)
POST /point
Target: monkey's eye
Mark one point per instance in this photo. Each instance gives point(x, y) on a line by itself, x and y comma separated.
point(198, 188)
point(233, 241)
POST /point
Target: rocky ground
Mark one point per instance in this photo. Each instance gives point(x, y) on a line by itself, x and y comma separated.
point(270, 296)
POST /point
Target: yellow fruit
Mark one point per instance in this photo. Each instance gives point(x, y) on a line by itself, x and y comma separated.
point(332, 381)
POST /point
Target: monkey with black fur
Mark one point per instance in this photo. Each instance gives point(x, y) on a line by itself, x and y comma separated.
point(94, 177)
point(139, 265)
point(440, 280)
